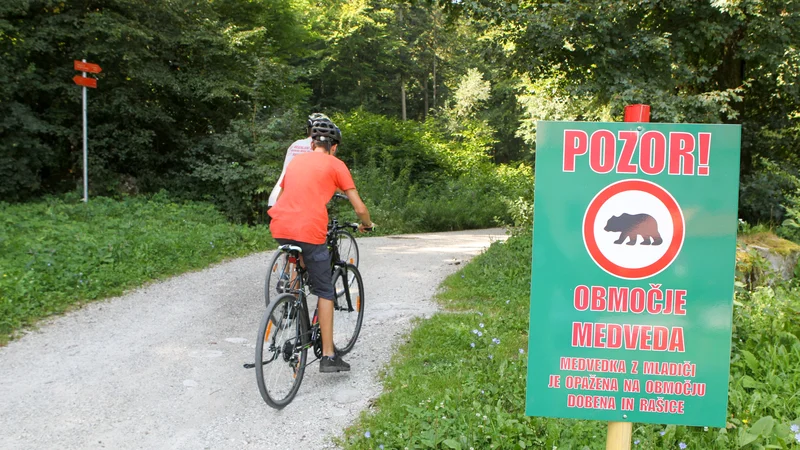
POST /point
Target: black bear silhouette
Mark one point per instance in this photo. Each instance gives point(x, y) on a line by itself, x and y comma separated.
point(633, 225)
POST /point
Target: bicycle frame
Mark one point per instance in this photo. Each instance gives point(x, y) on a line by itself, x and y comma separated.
point(297, 287)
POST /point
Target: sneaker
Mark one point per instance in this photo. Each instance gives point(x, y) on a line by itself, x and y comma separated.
point(331, 364)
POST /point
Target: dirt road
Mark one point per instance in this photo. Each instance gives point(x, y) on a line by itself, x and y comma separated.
point(161, 367)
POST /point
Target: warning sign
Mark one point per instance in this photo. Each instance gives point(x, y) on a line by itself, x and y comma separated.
point(633, 229)
point(633, 259)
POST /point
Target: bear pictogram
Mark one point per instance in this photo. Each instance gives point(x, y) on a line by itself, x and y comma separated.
point(634, 225)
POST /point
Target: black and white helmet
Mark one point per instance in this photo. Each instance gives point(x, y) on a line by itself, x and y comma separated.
point(313, 117)
point(325, 131)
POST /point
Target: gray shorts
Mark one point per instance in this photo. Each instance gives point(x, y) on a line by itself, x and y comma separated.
point(318, 264)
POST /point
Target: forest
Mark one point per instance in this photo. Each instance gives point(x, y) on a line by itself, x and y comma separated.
point(438, 103)
point(437, 99)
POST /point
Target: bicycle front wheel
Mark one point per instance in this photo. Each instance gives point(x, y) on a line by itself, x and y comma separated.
point(348, 249)
point(348, 253)
point(348, 307)
point(281, 351)
point(278, 276)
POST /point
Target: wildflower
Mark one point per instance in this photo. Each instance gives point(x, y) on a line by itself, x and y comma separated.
point(480, 324)
point(480, 314)
point(480, 334)
point(636, 442)
point(705, 428)
point(474, 331)
point(380, 446)
point(682, 445)
point(507, 301)
point(491, 357)
point(662, 432)
point(795, 428)
point(744, 420)
point(481, 391)
point(367, 435)
point(496, 341)
point(462, 276)
point(521, 351)
point(472, 344)
point(444, 417)
point(797, 438)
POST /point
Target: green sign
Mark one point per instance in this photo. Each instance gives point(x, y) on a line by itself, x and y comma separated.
point(634, 243)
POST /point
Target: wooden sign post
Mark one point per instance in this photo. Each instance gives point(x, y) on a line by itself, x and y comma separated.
point(619, 433)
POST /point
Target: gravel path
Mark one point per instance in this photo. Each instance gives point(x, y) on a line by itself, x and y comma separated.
point(161, 367)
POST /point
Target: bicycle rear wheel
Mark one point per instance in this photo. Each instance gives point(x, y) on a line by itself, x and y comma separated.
point(281, 351)
point(278, 276)
point(348, 308)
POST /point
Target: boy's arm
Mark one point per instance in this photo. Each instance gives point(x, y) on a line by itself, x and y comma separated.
point(360, 208)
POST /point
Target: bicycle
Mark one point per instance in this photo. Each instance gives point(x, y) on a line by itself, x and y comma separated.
point(341, 244)
point(287, 330)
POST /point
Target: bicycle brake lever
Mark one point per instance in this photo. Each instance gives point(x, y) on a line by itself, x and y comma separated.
point(249, 366)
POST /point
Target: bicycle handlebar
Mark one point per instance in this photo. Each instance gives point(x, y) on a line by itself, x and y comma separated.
point(340, 196)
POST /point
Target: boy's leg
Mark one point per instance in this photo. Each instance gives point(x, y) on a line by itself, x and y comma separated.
point(318, 262)
point(325, 315)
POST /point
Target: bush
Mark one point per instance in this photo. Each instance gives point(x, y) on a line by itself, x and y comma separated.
point(230, 169)
point(415, 179)
point(764, 194)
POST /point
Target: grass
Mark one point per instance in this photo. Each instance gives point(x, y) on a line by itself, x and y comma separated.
point(57, 254)
point(441, 392)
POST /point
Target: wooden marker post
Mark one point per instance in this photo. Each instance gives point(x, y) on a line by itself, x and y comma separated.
point(619, 433)
point(619, 436)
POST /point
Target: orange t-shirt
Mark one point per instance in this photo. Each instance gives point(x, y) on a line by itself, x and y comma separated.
point(310, 182)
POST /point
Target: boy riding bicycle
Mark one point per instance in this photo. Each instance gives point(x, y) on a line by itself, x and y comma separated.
point(300, 217)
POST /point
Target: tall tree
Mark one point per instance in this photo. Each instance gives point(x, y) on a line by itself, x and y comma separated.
point(175, 74)
point(708, 61)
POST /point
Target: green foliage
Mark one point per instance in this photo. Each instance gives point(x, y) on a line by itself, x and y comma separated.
point(414, 179)
point(765, 193)
point(471, 92)
point(175, 74)
point(707, 62)
point(58, 253)
point(440, 392)
point(231, 169)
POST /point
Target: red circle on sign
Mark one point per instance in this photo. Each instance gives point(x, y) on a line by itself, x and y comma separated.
point(633, 185)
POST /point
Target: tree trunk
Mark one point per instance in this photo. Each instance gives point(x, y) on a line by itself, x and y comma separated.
point(425, 91)
point(434, 68)
point(403, 97)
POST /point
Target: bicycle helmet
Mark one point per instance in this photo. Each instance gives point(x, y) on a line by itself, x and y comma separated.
point(325, 131)
point(313, 117)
